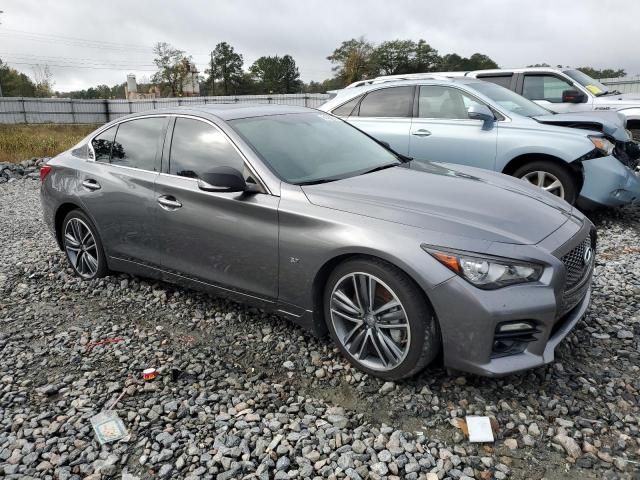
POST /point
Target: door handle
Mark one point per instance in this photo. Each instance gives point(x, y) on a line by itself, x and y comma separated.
point(421, 133)
point(169, 202)
point(91, 184)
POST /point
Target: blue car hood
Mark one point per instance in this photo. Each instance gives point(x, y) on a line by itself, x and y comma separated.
point(609, 123)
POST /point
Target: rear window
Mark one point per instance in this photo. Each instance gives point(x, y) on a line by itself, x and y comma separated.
point(388, 102)
point(502, 80)
point(136, 143)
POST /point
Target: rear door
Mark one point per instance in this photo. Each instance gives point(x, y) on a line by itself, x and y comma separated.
point(442, 130)
point(385, 114)
point(117, 188)
point(229, 240)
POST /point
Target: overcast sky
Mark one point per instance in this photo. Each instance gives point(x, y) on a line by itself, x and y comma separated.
point(599, 33)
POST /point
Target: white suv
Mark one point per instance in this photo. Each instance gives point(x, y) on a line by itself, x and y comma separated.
point(565, 90)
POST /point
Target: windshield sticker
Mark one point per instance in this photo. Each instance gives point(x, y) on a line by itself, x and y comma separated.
point(593, 89)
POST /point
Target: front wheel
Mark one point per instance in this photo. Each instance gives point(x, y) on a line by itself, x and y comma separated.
point(550, 176)
point(380, 319)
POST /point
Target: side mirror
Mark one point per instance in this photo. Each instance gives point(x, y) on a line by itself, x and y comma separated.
point(573, 96)
point(222, 179)
point(484, 113)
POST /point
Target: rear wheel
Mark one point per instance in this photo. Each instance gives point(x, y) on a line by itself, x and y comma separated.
point(380, 319)
point(82, 246)
point(550, 176)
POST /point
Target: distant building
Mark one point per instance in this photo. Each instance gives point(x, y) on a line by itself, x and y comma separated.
point(131, 90)
point(190, 84)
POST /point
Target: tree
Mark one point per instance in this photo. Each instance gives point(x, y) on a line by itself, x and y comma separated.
point(477, 61)
point(604, 73)
point(172, 67)
point(14, 83)
point(225, 65)
point(277, 74)
point(425, 59)
point(352, 60)
point(44, 81)
point(394, 57)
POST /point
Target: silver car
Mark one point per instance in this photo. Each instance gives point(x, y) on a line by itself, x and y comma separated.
point(298, 212)
point(584, 159)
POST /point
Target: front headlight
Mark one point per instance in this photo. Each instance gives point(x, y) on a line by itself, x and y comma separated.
point(602, 144)
point(487, 273)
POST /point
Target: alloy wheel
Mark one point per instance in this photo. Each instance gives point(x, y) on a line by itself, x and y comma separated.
point(547, 181)
point(370, 321)
point(81, 248)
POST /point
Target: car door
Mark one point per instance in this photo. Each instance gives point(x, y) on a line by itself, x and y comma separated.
point(117, 187)
point(442, 130)
point(546, 90)
point(229, 240)
point(385, 114)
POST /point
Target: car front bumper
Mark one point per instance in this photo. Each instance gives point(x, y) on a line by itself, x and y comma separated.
point(471, 320)
point(608, 182)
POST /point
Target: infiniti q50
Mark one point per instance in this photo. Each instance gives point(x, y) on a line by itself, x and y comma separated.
point(301, 213)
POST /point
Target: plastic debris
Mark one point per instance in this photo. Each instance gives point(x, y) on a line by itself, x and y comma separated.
point(108, 427)
point(149, 374)
point(479, 429)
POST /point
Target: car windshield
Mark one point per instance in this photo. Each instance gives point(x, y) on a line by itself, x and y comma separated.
point(307, 148)
point(587, 82)
point(509, 100)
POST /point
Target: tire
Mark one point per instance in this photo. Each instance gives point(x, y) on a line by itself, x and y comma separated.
point(550, 172)
point(418, 341)
point(82, 246)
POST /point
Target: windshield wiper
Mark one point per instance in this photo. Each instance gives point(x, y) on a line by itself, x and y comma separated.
point(318, 182)
point(610, 92)
point(381, 167)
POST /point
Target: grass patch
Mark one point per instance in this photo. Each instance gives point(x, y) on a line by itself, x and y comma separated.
point(22, 142)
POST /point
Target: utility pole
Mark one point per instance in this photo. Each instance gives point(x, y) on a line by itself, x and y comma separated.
point(213, 85)
point(1, 12)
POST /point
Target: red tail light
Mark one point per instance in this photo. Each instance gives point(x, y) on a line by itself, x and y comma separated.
point(44, 171)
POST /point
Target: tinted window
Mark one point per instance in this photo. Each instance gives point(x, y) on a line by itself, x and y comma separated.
point(102, 144)
point(346, 109)
point(508, 99)
point(388, 102)
point(444, 102)
point(312, 147)
point(544, 87)
point(136, 143)
point(197, 147)
point(502, 80)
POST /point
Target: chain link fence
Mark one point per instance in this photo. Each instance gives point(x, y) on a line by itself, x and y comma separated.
point(67, 110)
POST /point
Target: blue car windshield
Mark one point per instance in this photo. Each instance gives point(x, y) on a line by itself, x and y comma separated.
point(509, 100)
point(307, 148)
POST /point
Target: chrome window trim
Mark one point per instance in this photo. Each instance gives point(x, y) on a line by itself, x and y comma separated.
point(117, 123)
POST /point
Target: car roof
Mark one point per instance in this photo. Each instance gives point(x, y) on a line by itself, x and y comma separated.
point(520, 70)
point(227, 111)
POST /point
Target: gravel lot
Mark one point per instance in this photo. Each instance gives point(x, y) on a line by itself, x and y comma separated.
point(243, 394)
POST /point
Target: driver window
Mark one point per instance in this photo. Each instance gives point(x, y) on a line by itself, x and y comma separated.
point(444, 102)
point(544, 87)
point(197, 147)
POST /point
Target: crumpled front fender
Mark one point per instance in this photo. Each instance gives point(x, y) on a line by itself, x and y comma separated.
point(607, 182)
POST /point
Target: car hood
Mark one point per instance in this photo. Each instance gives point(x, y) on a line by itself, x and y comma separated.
point(619, 100)
point(609, 123)
point(462, 201)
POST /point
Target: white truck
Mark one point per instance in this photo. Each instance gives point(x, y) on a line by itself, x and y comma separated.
point(565, 90)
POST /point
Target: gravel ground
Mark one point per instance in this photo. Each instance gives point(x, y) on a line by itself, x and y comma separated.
point(244, 394)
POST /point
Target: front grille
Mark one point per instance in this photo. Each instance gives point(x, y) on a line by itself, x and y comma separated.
point(578, 273)
point(575, 264)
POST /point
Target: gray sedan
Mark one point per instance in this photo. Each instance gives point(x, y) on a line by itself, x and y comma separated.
point(298, 212)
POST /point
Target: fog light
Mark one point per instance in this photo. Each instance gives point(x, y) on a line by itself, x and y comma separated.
point(513, 327)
